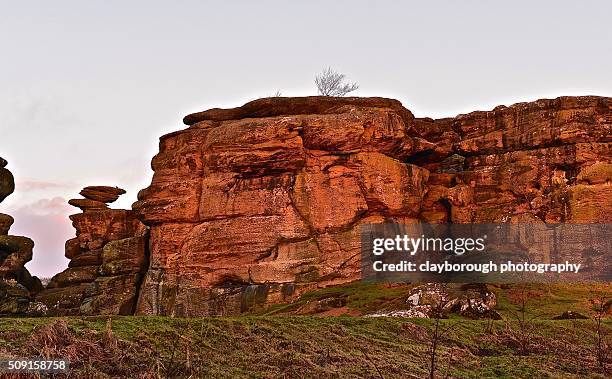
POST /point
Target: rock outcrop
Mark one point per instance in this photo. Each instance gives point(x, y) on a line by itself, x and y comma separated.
point(108, 258)
point(17, 286)
point(474, 301)
point(258, 209)
point(255, 204)
point(549, 160)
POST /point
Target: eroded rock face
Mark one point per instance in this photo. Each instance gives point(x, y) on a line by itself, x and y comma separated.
point(255, 204)
point(258, 203)
point(108, 258)
point(548, 160)
point(17, 286)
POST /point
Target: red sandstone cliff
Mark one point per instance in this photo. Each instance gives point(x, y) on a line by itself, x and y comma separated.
point(257, 203)
point(549, 159)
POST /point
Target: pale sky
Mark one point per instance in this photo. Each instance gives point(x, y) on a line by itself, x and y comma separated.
point(88, 87)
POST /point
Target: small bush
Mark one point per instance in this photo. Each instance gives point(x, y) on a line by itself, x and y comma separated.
point(330, 83)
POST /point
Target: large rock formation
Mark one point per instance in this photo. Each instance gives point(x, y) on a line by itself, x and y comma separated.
point(257, 203)
point(107, 259)
point(244, 210)
point(17, 286)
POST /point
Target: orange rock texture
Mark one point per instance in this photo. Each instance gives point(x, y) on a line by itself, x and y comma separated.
point(256, 204)
point(548, 160)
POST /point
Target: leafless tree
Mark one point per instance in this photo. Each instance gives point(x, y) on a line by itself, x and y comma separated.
point(601, 347)
point(331, 83)
point(439, 332)
point(526, 329)
point(433, 349)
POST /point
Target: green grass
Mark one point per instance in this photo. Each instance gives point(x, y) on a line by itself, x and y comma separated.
point(362, 297)
point(302, 346)
point(544, 300)
point(549, 300)
point(282, 342)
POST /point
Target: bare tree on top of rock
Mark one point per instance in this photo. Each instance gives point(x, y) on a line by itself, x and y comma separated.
point(331, 83)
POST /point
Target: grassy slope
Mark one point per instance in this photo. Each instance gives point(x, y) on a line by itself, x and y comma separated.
point(545, 301)
point(297, 346)
point(311, 346)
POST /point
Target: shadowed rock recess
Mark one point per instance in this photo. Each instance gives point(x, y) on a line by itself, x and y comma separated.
point(17, 286)
point(255, 205)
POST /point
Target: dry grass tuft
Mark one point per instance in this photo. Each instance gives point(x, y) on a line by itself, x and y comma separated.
point(56, 341)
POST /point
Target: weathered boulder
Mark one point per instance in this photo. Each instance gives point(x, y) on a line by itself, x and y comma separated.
point(430, 300)
point(570, 315)
point(74, 276)
point(7, 183)
point(87, 205)
point(17, 286)
point(5, 224)
point(88, 258)
point(65, 301)
point(104, 194)
point(96, 229)
point(469, 300)
point(15, 252)
point(14, 297)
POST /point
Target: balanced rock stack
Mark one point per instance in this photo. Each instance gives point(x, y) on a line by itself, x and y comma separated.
point(107, 259)
point(96, 198)
point(17, 286)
